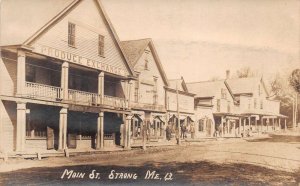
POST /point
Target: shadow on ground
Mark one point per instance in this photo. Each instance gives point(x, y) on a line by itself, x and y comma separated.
point(278, 138)
point(193, 173)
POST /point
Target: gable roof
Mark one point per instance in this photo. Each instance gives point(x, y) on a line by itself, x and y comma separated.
point(38, 27)
point(134, 50)
point(174, 82)
point(245, 85)
point(205, 88)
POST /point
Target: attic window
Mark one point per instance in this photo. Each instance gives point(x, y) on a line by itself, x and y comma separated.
point(146, 64)
point(101, 45)
point(71, 34)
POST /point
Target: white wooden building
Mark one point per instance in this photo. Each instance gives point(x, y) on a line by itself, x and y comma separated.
point(64, 80)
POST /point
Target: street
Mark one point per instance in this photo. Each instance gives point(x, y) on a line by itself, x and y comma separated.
point(260, 161)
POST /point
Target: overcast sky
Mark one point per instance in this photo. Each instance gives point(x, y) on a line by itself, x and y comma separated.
point(200, 39)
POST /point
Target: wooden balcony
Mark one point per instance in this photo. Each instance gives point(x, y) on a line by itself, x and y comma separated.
point(41, 91)
point(83, 98)
point(146, 106)
point(51, 93)
point(114, 102)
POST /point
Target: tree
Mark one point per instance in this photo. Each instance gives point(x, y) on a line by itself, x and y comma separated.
point(294, 80)
point(245, 72)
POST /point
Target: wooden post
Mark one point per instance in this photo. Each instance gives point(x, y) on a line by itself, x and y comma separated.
point(222, 126)
point(65, 80)
point(21, 73)
point(144, 136)
point(240, 122)
point(100, 88)
point(256, 124)
point(21, 126)
point(100, 131)
point(285, 124)
point(128, 128)
point(273, 123)
point(244, 125)
point(63, 119)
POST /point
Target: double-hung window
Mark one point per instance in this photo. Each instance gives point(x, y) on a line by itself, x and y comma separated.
point(101, 45)
point(71, 34)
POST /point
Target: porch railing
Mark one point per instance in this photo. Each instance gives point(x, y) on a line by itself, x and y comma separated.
point(114, 101)
point(86, 98)
point(37, 90)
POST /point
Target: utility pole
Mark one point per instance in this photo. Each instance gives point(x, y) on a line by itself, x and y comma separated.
point(178, 115)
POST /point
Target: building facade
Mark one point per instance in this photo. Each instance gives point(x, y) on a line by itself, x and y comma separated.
point(66, 85)
point(148, 92)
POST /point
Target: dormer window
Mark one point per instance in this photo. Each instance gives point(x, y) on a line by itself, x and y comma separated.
point(71, 34)
point(101, 45)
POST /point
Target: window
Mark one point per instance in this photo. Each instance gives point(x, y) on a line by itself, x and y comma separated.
point(255, 103)
point(155, 91)
point(218, 105)
point(223, 93)
point(259, 90)
point(228, 107)
point(30, 73)
point(101, 45)
point(136, 127)
point(146, 67)
point(261, 104)
point(136, 91)
point(201, 125)
point(71, 35)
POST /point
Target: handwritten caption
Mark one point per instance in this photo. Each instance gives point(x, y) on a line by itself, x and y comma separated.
point(114, 175)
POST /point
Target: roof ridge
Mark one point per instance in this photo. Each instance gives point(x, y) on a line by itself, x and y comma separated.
point(136, 39)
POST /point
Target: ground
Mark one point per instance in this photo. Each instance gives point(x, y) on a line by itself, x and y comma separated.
point(254, 161)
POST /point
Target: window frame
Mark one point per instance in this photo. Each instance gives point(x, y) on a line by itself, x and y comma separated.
point(71, 34)
point(101, 45)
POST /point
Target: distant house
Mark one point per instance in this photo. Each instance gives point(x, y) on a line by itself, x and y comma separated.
point(214, 105)
point(180, 104)
point(253, 102)
point(148, 91)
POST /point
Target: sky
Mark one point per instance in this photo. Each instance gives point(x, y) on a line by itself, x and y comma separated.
point(201, 39)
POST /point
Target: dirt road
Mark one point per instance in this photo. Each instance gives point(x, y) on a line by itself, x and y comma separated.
point(271, 161)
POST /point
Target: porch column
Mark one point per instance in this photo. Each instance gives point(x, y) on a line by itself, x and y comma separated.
point(240, 122)
point(100, 131)
point(285, 124)
point(21, 73)
point(21, 127)
point(228, 123)
point(222, 126)
point(129, 87)
point(249, 119)
point(63, 119)
point(244, 125)
point(273, 120)
point(65, 80)
point(100, 88)
point(256, 124)
point(128, 127)
point(234, 129)
point(279, 123)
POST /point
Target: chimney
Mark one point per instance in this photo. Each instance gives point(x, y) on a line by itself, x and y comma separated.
point(227, 74)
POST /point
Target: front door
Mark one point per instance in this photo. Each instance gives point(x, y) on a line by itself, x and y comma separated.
point(72, 141)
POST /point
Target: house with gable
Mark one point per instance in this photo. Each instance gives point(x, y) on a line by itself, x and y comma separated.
point(180, 105)
point(214, 108)
point(64, 79)
point(148, 91)
point(260, 112)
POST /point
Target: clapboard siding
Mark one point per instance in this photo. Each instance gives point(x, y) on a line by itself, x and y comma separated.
point(89, 24)
point(9, 115)
point(186, 103)
point(8, 76)
point(146, 80)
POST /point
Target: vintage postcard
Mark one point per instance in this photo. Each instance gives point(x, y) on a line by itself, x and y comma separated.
point(139, 92)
